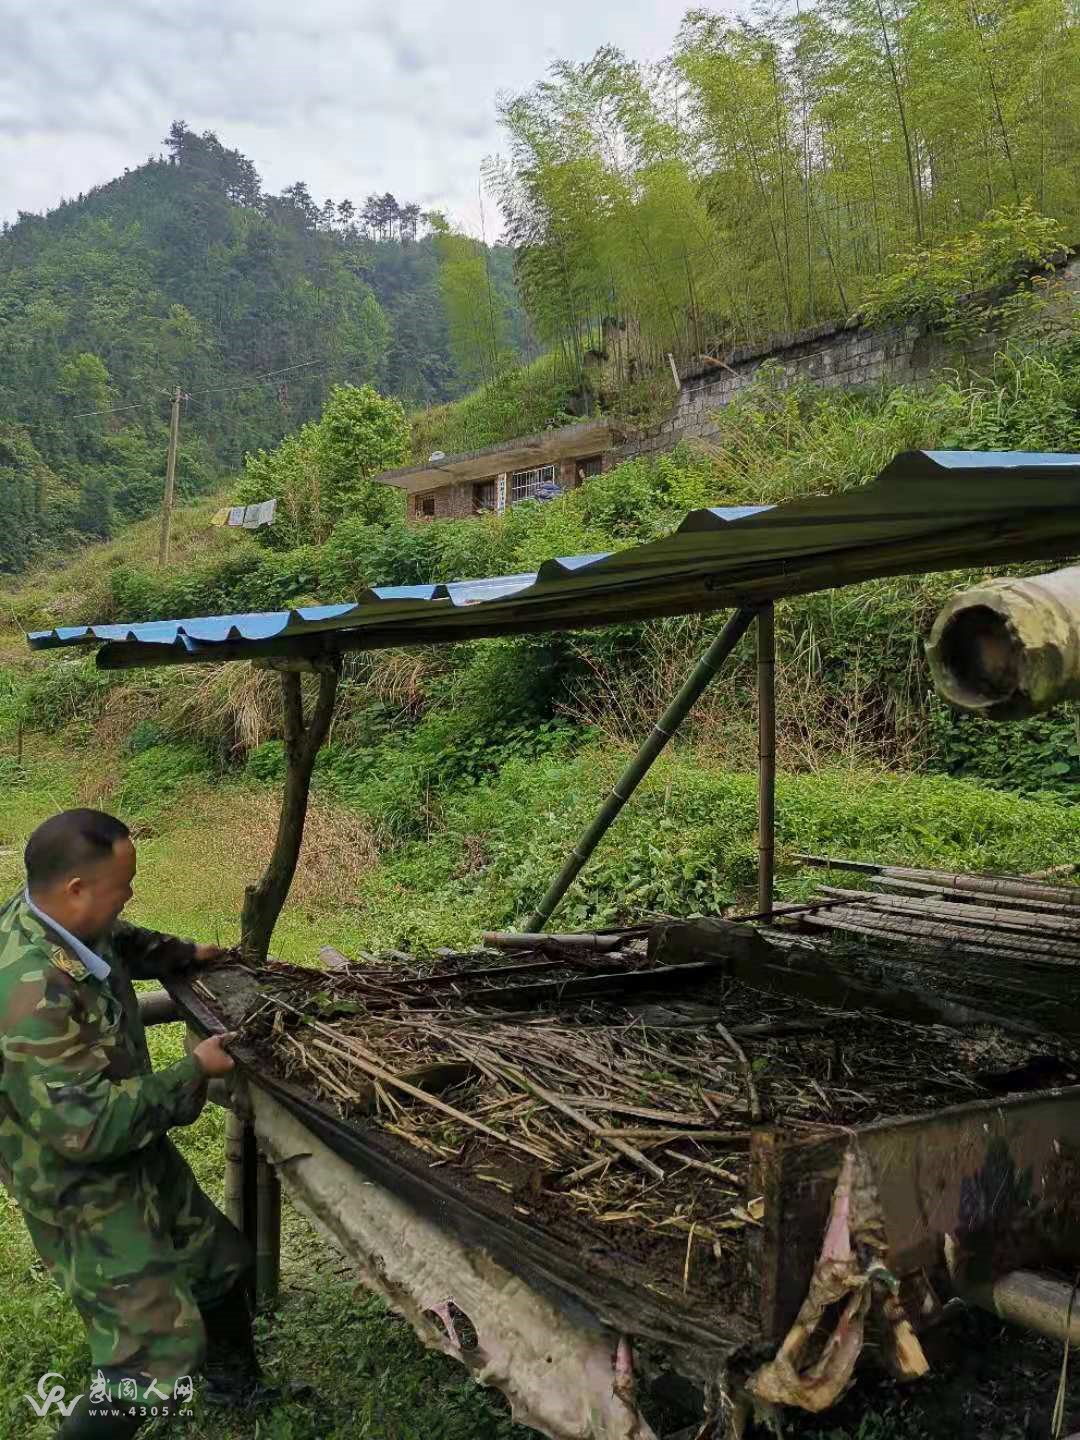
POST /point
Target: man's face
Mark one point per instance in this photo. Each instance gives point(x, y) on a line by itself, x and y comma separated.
point(95, 898)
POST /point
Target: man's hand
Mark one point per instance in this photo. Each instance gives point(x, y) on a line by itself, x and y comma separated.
point(211, 1056)
point(207, 954)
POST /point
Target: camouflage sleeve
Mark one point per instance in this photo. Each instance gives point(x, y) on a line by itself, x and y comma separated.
point(55, 1075)
point(149, 955)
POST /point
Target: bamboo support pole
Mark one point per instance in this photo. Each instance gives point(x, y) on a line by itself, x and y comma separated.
point(241, 1183)
point(234, 1169)
point(267, 1236)
point(635, 772)
point(766, 687)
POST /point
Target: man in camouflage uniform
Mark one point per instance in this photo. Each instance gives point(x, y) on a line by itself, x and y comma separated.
point(158, 1275)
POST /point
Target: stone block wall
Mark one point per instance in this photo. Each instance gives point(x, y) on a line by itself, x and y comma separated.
point(835, 356)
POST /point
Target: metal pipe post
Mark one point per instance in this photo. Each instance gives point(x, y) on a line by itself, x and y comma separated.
point(638, 768)
point(766, 685)
point(268, 1236)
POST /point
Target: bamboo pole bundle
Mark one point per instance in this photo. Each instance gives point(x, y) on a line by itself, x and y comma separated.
point(982, 916)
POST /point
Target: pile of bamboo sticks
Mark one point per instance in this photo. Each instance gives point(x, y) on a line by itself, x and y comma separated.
point(996, 937)
point(605, 1118)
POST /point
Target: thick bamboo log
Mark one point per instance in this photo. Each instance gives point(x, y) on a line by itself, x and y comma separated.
point(1035, 1302)
point(1009, 648)
point(635, 772)
point(157, 1007)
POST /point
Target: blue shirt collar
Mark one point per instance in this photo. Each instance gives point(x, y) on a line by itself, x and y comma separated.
point(94, 963)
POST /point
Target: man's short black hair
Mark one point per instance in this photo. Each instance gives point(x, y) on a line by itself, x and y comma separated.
point(69, 842)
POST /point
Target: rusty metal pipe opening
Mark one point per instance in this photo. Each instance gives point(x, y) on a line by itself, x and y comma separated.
point(1009, 648)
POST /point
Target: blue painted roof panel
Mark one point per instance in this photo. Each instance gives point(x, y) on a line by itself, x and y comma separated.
point(928, 510)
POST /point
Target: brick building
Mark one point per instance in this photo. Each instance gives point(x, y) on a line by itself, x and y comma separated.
point(453, 487)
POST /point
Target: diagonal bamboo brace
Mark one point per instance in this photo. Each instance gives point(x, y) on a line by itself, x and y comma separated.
point(693, 688)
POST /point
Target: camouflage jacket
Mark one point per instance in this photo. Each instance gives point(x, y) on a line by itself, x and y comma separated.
point(79, 1102)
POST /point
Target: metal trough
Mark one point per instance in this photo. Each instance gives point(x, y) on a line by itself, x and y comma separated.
point(928, 1206)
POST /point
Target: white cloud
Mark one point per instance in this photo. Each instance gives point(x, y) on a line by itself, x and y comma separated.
point(351, 96)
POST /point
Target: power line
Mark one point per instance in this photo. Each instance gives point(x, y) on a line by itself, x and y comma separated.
point(61, 421)
point(271, 374)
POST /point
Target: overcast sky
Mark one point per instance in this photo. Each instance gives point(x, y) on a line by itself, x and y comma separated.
point(351, 96)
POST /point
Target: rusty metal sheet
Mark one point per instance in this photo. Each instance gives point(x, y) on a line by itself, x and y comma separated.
point(1000, 1176)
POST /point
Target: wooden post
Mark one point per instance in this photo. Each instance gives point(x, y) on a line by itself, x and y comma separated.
point(263, 902)
point(268, 1236)
point(170, 480)
point(636, 771)
point(766, 683)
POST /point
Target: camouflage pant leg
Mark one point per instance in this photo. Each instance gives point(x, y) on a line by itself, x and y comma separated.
point(138, 1274)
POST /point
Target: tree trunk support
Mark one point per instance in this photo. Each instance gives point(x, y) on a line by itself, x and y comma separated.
point(692, 689)
point(263, 901)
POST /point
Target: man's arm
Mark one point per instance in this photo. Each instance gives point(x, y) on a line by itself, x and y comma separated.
point(54, 1074)
point(149, 955)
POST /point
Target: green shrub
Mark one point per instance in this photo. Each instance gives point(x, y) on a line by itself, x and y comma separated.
point(154, 777)
point(1035, 755)
point(933, 284)
point(521, 401)
point(267, 762)
point(69, 688)
point(324, 472)
point(686, 842)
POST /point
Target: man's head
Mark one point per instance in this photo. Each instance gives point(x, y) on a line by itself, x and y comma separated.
point(79, 869)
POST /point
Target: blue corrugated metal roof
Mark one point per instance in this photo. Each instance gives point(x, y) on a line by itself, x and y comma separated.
point(928, 510)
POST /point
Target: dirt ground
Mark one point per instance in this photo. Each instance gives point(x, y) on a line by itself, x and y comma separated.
point(987, 1382)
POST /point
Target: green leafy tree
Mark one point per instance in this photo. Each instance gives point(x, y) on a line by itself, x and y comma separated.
point(324, 472)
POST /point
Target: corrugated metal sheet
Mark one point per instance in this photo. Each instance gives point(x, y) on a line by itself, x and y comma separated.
point(928, 510)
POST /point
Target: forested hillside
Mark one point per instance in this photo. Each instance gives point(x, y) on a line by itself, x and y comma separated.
point(184, 272)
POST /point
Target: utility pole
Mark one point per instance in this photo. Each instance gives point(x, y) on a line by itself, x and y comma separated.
point(170, 480)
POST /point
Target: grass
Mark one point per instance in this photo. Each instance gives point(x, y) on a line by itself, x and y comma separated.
point(77, 586)
point(523, 400)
